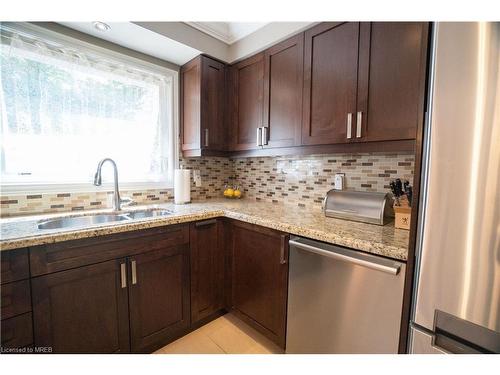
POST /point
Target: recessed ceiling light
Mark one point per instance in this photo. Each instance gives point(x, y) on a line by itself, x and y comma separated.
point(101, 26)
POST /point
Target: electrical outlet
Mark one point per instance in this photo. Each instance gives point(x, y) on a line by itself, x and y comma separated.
point(338, 182)
point(197, 177)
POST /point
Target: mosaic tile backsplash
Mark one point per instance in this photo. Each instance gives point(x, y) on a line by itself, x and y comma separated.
point(297, 180)
point(305, 180)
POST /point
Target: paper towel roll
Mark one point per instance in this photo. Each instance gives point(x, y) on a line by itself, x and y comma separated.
point(182, 186)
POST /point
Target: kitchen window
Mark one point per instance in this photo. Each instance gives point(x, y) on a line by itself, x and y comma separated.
point(66, 104)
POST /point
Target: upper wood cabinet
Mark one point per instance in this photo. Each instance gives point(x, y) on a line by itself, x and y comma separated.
point(246, 104)
point(330, 82)
point(391, 84)
point(259, 258)
point(336, 87)
point(202, 107)
point(207, 269)
point(283, 72)
point(363, 82)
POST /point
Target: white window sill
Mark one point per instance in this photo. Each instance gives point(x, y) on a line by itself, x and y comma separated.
point(81, 188)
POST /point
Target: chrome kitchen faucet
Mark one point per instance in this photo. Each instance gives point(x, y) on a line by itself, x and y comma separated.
point(117, 201)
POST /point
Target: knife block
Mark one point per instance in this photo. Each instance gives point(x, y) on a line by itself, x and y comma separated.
point(402, 214)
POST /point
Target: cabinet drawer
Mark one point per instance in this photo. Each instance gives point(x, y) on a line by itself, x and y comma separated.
point(14, 265)
point(16, 299)
point(17, 332)
point(71, 254)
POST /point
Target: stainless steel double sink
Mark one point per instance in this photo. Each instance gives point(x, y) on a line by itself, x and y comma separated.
point(89, 220)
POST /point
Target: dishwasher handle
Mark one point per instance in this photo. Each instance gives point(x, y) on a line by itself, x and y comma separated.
point(338, 255)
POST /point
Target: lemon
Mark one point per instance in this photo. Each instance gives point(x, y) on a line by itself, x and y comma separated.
point(229, 192)
point(237, 193)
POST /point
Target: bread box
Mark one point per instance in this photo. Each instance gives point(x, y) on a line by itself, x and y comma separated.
point(366, 207)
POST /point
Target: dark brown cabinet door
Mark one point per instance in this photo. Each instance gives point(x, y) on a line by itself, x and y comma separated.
point(247, 104)
point(82, 310)
point(17, 333)
point(330, 82)
point(213, 76)
point(392, 70)
point(203, 82)
point(207, 270)
point(191, 105)
point(283, 81)
point(259, 278)
point(14, 265)
point(15, 298)
point(158, 297)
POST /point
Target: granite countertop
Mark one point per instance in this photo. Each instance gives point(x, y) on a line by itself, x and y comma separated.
point(311, 223)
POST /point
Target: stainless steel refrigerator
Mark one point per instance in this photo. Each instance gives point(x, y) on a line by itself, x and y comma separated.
point(456, 302)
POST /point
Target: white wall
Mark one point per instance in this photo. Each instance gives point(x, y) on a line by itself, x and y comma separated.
point(189, 36)
point(259, 40)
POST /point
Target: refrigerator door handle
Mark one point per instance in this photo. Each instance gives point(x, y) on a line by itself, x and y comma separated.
point(457, 335)
point(342, 255)
point(422, 342)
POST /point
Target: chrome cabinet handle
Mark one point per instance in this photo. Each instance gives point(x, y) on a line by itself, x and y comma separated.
point(259, 137)
point(282, 251)
point(349, 125)
point(264, 135)
point(351, 257)
point(133, 265)
point(205, 222)
point(206, 137)
point(123, 275)
point(359, 119)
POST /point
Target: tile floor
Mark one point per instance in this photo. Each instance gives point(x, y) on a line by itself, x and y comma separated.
point(225, 335)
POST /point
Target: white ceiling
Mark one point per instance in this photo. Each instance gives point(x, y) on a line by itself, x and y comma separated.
point(130, 35)
point(179, 42)
point(228, 32)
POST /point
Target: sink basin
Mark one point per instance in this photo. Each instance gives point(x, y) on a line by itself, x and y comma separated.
point(85, 221)
point(81, 221)
point(143, 214)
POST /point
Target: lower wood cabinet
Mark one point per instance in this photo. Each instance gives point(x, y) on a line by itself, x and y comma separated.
point(14, 265)
point(82, 310)
point(158, 297)
point(135, 303)
point(207, 269)
point(259, 258)
point(15, 307)
point(17, 333)
point(138, 291)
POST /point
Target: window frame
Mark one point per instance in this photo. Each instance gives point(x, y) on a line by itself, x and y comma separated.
point(172, 96)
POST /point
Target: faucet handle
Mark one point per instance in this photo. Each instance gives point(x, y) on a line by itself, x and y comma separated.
point(127, 201)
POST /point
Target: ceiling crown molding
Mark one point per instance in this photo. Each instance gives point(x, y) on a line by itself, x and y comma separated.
point(227, 32)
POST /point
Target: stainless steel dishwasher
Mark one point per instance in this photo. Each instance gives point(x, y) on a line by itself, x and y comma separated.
point(342, 300)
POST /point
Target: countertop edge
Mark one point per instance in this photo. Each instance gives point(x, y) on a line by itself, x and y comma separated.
point(362, 245)
point(389, 251)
